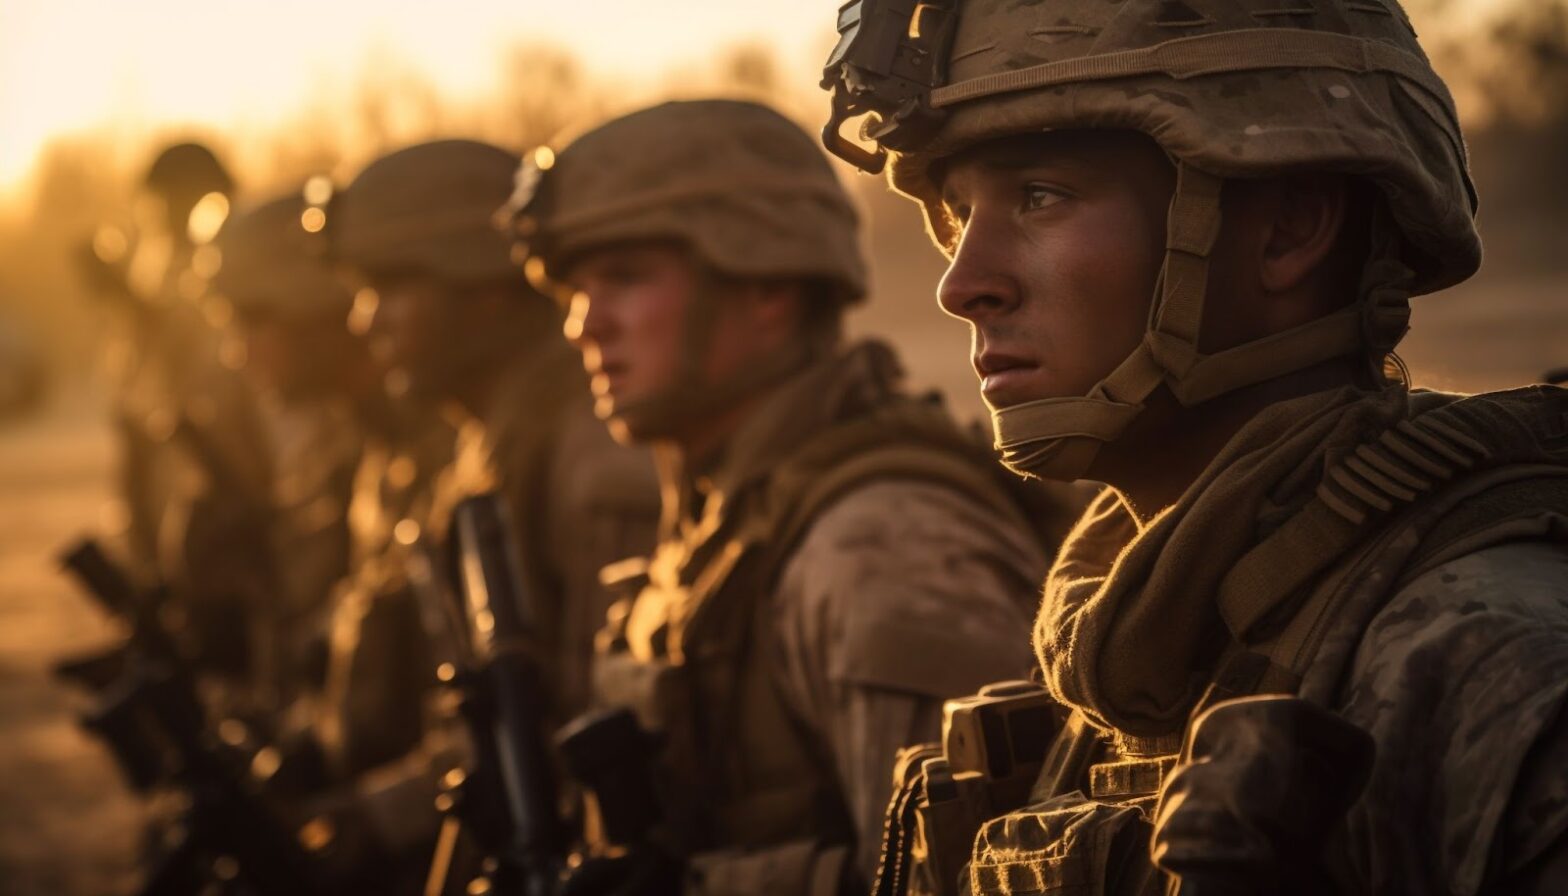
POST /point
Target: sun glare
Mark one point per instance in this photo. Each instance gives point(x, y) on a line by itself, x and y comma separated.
point(158, 65)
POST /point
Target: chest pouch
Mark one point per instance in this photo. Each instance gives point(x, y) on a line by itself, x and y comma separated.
point(993, 747)
point(1070, 845)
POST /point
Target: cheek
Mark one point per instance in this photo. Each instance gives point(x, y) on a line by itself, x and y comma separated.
point(1090, 285)
point(276, 355)
point(731, 346)
point(410, 322)
point(653, 321)
point(263, 349)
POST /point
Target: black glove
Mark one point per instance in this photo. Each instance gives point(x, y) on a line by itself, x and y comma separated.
point(1264, 783)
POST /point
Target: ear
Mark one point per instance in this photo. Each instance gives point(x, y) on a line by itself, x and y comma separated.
point(1307, 214)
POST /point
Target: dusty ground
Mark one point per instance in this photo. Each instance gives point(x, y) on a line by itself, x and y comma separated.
point(67, 825)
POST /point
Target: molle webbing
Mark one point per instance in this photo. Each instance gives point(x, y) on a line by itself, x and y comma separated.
point(904, 440)
point(1454, 479)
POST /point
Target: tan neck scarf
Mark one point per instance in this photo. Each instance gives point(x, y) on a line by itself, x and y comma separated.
point(1129, 630)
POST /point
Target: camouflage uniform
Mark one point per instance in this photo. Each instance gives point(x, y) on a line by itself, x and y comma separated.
point(1393, 556)
point(846, 563)
point(579, 500)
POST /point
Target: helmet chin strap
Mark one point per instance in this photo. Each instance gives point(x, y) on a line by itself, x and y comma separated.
point(690, 397)
point(1059, 438)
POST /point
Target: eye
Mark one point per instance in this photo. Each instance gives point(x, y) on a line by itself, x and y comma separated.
point(624, 272)
point(1038, 196)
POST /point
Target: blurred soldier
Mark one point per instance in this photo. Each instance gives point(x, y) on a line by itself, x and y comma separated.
point(194, 471)
point(454, 324)
point(835, 557)
point(1184, 235)
point(320, 395)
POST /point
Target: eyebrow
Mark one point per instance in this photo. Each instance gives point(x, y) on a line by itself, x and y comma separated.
point(1013, 160)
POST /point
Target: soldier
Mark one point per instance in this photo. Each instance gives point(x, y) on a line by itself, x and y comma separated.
point(835, 557)
point(321, 396)
point(1286, 515)
point(455, 326)
point(194, 475)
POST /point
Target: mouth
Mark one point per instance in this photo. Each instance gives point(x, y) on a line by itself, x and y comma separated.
point(1002, 374)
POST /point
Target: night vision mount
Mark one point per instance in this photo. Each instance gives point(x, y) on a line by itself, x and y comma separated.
point(890, 55)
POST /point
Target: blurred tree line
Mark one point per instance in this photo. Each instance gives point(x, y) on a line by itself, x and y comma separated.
point(83, 180)
point(1515, 71)
point(1511, 77)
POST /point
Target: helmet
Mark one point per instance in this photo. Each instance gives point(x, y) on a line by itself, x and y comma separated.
point(747, 190)
point(187, 171)
point(744, 189)
point(1229, 90)
point(266, 264)
point(428, 208)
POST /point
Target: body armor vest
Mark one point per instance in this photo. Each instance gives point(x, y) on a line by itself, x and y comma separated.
point(692, 653)
point(1451, 481)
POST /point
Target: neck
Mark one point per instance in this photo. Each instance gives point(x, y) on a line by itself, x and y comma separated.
point(702, 444)
point(474, 393)
point(1170, 446)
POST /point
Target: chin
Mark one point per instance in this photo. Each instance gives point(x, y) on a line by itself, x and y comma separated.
point(1004, 400)
point(621, 433)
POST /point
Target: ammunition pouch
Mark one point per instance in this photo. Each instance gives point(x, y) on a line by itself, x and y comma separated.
point(993, 747)
point(1066, 846)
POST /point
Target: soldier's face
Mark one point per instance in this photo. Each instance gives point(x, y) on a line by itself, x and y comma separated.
point(1062, 240)
point(413, 332)
point(299, 359)
point(628, 317)
point(634, 318)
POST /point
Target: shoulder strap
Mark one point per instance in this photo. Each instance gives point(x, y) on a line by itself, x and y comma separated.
point(1465, 475)
point(906, 439)
point(910, 461)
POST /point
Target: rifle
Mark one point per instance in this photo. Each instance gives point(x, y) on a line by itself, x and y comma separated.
point(505, 803)
point(153, 721)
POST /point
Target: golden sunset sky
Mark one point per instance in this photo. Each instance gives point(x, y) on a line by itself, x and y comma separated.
point(73, 64)
point(69, 65)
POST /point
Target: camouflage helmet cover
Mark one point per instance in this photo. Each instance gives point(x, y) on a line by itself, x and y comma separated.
point(266, 263)
point(747, 190)
point(1234, 89)
point(427, 208)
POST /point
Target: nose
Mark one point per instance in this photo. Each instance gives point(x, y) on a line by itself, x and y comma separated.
point(978, 283)
point(362, 314)
point(591, 319)
point(382, 309)
point(575, 327)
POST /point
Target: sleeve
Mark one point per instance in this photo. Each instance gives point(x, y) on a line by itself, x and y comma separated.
point(901, 595)
point(1534, 832)
point(1461, 679)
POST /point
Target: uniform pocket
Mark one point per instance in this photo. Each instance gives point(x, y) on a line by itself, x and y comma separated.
point(1066, 846)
